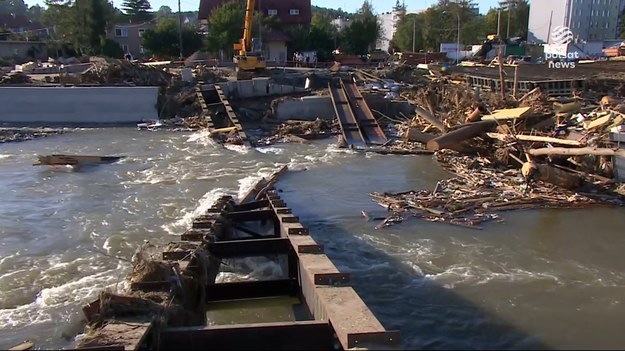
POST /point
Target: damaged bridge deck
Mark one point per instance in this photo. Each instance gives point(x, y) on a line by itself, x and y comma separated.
point(260, 225)
point(358, 126)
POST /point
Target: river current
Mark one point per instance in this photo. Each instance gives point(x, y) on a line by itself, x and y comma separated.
point(541, 279)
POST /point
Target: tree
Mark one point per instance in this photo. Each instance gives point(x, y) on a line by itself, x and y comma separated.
point(323, 36)
point(403, 37)
point(35, 13)
point(363, 32)
point(81, 24)
point(138, 10)
point(15, 7)
point(225, 27)
point(163, 11)
point(163, 42)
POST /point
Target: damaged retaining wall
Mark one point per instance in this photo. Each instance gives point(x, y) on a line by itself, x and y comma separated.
point(256, 87)
point(77, 105)
point(310, 108)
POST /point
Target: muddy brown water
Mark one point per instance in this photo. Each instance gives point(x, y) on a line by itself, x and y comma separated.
point(542, 279)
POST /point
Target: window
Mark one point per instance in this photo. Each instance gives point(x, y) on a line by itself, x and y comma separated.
point(125, 48)
point(141, 50)
point(272, 12)
point(121, 32)
point(141, 31)
point(294, 12)
point(607, 25)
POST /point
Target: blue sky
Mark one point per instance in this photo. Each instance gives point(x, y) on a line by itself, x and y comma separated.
point(348, 5)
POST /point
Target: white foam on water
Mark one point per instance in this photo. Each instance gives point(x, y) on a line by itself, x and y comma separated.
point(270, 150)
point(75, 292)
point(204, 203)
point(242, 149)
point(5, 156)
point(202, 137)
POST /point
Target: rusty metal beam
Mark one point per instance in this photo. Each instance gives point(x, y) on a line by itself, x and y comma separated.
point(247, 230)
point(300, 335)
point(254, 247)
point(251, 290)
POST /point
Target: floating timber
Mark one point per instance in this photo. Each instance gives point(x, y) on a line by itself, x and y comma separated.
point(170, 310)
point(74, 160)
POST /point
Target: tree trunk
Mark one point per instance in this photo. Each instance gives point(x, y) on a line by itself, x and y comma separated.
point(453, 139)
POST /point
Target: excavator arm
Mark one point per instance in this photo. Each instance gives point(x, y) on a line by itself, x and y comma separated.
point(248, 63)
point(245, 44)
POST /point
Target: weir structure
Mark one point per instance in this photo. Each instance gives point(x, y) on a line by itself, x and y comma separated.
point(329, 315)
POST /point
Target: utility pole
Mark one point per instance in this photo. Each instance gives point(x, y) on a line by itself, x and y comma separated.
point(180, 30)
point(498, 20)
point(414, 30)
point(509, 10)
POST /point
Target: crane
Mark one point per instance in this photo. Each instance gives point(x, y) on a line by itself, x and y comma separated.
point(247, 61)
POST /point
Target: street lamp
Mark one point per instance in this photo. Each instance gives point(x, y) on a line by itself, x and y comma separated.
point(458, 43)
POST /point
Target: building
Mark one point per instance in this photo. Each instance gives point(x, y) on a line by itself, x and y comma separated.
point(588, 20)
point(290, 12)
point(128, 36)
point(340, 23)
point(389, 22)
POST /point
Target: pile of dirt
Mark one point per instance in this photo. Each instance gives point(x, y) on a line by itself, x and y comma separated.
point(122, 72)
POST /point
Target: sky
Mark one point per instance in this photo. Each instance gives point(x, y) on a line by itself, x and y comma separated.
point(348, 5)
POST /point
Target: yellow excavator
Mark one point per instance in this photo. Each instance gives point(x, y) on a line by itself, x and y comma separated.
point(248, 62)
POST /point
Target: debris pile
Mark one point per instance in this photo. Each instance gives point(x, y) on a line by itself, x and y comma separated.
point(15, 78)
point(123, 72)
point(300, 131)
point(209, 75)
point(478, 191)
point(23, 134)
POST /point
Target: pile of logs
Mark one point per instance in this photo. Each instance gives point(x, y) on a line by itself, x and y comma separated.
point(116, 72)
point(478, 191)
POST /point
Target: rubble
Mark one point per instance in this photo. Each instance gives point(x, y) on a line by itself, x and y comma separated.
point(300, 131)
point(15, 78)
point(26, 133)
point(478, 191)
point(122, 72)
point(210, 75)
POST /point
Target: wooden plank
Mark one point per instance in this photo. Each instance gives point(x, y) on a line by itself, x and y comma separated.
point(128, 335)
point(510, 113)
point(533, 138)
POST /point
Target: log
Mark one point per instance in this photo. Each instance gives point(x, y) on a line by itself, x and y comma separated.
point(573, 107)
point(563, 151)
point(452, 140)
point(414, 134)
point(474, 116)
point(535, 138)
point(529, 94)
point(561, 178)
point(423, 113)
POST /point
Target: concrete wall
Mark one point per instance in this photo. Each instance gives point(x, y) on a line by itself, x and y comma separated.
point(306, 108)
point(313, 107)
point(257, 87)
point(77, 105)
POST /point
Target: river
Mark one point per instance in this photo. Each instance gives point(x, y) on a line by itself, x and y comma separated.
point(542, 279)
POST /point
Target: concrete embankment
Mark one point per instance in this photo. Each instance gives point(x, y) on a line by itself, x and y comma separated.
point(77, 105)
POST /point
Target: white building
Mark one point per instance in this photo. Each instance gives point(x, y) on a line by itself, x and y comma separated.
point(588, 20)
point(389, 22)
point(340, 23)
